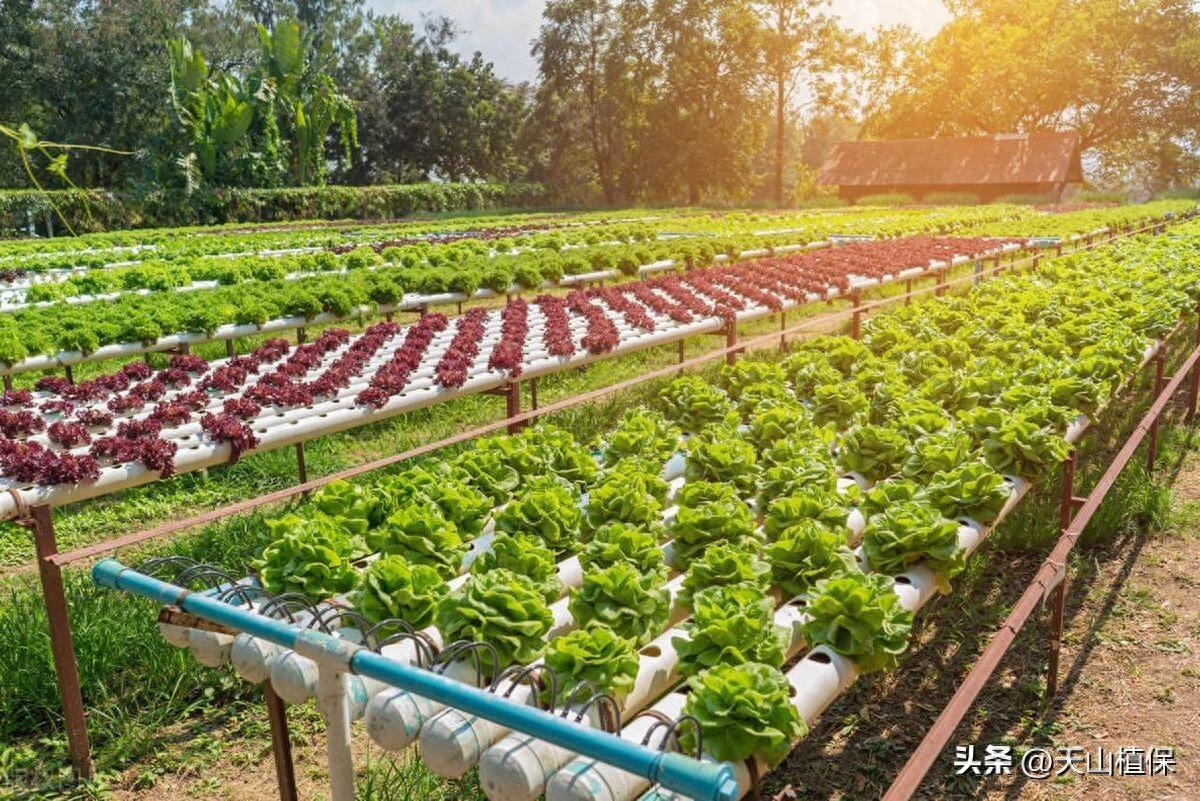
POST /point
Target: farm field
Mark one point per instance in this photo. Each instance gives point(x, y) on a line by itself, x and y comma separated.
point(760, 530)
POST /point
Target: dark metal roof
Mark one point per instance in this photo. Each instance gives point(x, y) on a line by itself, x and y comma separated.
point(1002, 159)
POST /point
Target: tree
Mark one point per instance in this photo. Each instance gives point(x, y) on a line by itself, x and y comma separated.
point(1124, 74)
point(803, 47)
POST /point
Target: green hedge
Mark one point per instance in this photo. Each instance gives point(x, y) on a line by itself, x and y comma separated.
point(100, 210)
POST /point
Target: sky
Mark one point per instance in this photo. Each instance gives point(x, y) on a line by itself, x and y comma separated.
point(503, 29)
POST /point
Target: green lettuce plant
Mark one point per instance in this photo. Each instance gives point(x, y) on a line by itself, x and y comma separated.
point(526, 555)
point(313, 564)
point(501, 608)
point(546, 510)
point(693, 403)
point(839, 404)
point(720, 454)
point(422, 535)
point(859, 616)
point(940, 450)
point(633, 605)
point(595, 654)
point(731, 624)
point(972, 489)
point(874, 452)
point(736, 377)
point(709, 514)
point(641, 434)
point(824, 506)
point(723, 564)
point(620, 542)
point(807, 553)
point(776, 422)
point(631, 493)
point(562, 455)
point(390, 587)
point(489, 473)
point(352, 505)
point(744, 711)
point(909, 532)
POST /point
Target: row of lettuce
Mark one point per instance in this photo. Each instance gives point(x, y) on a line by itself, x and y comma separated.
point(931, 409)
point(576, 228)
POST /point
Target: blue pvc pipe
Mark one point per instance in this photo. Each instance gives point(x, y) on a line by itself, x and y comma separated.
point(705, 781)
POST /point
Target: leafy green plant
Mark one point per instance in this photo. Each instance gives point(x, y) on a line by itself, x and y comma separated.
point(731, 624)
point(488, 472)
point(630, 493)
point(805, 471)
point(937, 451)
point(595, 654)
point(390, 587)
point(744, 711)
point(909, 532)
point(632, 604)
point(501, 608)
point(641, 434)
point(547, 510)
point(839, 404)
point(859, 616)
point(421, 534)
point(709, 514)
point(525, 555)
point(972, 489)
point(873, 451)
point(562, 455)
point(824, 506)
point(313, 564)
point(720, 454)
point(693, 403)
point(620, 542)
point(776, 422)
point(807, 553)
point(723, 564)
point(351, 504)
point(736, 377)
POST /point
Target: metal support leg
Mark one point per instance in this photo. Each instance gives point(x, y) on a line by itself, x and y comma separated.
point(730, 341)
point(1194, 385)
point(1152, 435)
point(978, 272)
point(908, 291)
point(1058, 596)
point(783, 327)
point(533, 387)
point(301, 335)
point(8, 384)
point(281, 744)
point(682, 352)
point(230, 350)
point(1058, 603)
point(856, 318)
point(301, 464)
point(512, 405)
point(70, 374)
point(61, 646)
point(1037, 260)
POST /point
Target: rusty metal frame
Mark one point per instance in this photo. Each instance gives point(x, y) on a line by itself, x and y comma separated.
point(1048, 583)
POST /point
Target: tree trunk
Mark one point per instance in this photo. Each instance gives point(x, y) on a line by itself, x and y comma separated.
point(780, 128)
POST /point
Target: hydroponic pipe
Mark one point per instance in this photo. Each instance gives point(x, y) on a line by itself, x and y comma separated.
point(674, 771)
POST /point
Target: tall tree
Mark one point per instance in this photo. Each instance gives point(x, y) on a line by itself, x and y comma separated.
point(804, 49)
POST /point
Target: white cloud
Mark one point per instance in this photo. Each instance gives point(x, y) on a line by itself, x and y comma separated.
point(503, 29)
